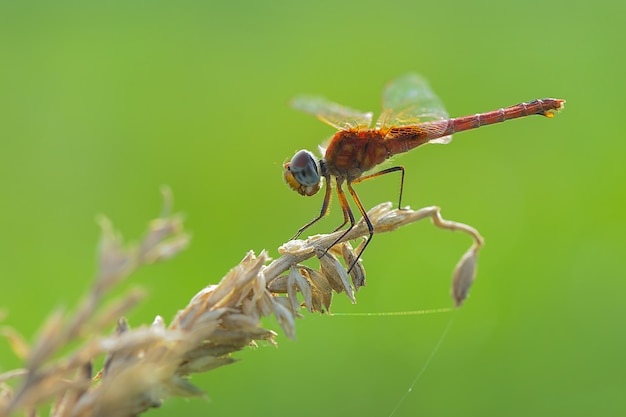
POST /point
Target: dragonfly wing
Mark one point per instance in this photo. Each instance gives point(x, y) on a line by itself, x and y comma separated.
point(409, 100)
point(338, 116)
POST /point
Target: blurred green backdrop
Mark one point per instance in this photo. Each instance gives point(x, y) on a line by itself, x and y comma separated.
point(101, 103)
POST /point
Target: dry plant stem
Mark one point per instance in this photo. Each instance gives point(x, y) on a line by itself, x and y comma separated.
point(145, 365)
point(384, 219)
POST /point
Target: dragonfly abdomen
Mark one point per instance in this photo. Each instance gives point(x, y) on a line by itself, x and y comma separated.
point(404, 138)
point(543, 107)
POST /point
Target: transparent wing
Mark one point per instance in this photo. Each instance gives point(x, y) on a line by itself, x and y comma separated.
point(409, 100)
point(337, 116)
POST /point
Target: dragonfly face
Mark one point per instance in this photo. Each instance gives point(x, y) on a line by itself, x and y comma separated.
point(302, 173)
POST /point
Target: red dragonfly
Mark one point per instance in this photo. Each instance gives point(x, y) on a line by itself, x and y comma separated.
point(411, 116)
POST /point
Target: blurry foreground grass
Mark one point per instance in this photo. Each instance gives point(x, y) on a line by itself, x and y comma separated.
point(145, 365)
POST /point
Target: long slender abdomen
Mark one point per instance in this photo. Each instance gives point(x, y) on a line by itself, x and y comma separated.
point(543, 107)
point(405, 138)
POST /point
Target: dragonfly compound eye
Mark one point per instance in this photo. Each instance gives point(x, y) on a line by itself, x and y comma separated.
point(302, 173)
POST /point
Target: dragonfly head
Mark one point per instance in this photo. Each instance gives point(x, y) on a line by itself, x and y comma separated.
point(302, 173)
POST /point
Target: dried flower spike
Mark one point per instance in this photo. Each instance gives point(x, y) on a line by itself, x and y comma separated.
point(146, 364)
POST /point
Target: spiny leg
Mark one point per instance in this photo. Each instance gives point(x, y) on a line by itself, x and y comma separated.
point(323, 212)
point(345, 207)
point(383, 172)
point(370, 227)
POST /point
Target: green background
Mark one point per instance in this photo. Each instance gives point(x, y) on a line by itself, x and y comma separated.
point(101, 103)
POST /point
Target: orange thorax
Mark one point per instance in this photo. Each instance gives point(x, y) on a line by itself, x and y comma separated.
point(352, 152)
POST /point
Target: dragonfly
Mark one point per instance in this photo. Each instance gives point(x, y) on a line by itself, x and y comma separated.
point(412, 115)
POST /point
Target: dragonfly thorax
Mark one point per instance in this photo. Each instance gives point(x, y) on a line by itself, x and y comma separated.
point(302, 173)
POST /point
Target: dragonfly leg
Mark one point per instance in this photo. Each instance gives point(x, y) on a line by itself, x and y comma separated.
point(383, 172)
point(323, 212)
point(370, 227)
point(347, 213)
